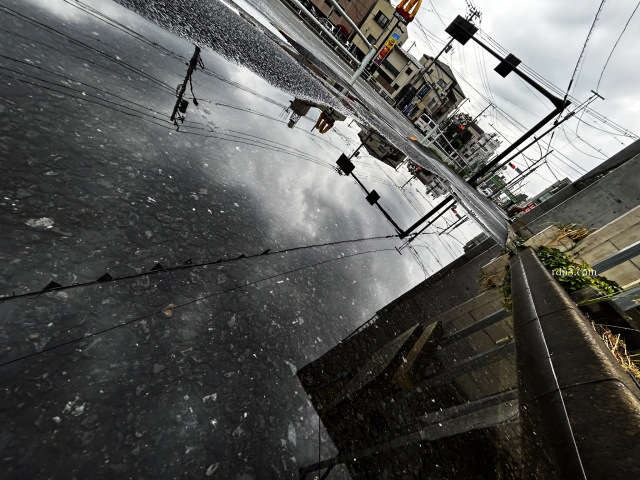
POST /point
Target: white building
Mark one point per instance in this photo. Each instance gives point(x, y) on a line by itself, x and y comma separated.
point(436, 188)
point(481, 150)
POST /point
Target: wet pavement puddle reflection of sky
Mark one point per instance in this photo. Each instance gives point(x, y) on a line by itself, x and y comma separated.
point(200, 382)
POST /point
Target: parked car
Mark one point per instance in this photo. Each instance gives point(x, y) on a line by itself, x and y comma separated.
point(424, 123)
point(326, 23)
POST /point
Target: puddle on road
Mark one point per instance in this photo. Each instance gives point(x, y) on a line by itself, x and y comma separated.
point(199, 378)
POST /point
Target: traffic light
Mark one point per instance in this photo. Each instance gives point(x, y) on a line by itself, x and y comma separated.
point(512, 165)
point(461, 127)
point(461, 29)
point(508, 65)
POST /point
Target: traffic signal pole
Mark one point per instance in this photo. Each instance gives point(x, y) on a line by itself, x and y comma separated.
point(462, 30)
point(426, 217)
point(415, 235)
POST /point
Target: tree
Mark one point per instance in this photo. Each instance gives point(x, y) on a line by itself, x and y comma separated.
point(412, 167)
point(453, 131)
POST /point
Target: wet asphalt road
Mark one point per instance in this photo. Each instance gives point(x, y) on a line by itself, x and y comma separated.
point(194, 374)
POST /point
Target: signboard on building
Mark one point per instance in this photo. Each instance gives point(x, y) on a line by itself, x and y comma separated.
point(393, 39)
point(531, 206)
point(423, 91)
point(402, 18)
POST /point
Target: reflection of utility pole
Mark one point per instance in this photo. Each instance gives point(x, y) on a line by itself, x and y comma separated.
point(415, 175)
point(181, 104)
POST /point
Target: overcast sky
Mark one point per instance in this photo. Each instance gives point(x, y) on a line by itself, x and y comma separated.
point(548, 36)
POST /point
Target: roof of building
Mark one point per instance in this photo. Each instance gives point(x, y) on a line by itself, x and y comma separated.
point(447, 70)
point(476, 127)
point(412, 58)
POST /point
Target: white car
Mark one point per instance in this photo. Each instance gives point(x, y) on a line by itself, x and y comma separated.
point(326, 23)
point(424, 123)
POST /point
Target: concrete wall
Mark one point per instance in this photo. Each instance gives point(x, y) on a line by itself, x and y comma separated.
point(594, 206)
point(453, 285)
point(612, 238)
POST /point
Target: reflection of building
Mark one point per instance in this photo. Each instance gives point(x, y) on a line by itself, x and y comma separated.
point(298, 109)
point(378, 147)
point(435, 92)
point(480, 149)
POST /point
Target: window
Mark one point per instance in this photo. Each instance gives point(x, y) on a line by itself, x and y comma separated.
point(442, 83)
point(371, 39)
point(381, 19)
point(408, 71)
point(395, 87)
point(431, 103)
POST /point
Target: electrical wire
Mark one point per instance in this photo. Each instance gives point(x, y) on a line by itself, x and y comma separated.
point(578, 69)
point(615, 45)
point(184, 304)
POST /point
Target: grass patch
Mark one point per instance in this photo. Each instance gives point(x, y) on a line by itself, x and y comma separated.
point(616, 345)
point(554, 259)
point(505, 291)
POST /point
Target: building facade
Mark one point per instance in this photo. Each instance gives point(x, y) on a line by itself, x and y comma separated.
point(477, 151)
point(377, 26)
point(433, 90)
point(356, 10)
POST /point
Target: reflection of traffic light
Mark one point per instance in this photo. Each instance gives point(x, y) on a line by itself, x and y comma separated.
point(324, 123)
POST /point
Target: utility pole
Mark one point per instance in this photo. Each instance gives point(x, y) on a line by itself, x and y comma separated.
point(528, 171)
point(180, 103)
point(555, 125)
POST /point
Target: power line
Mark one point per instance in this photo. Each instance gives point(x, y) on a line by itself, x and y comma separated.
point(184, 304)
point(557, 90)
point(133, 69)
point(579, 63)
point(615, 45)
point(190, 266)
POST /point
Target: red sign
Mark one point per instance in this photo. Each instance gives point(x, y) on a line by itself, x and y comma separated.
point(529, 207)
